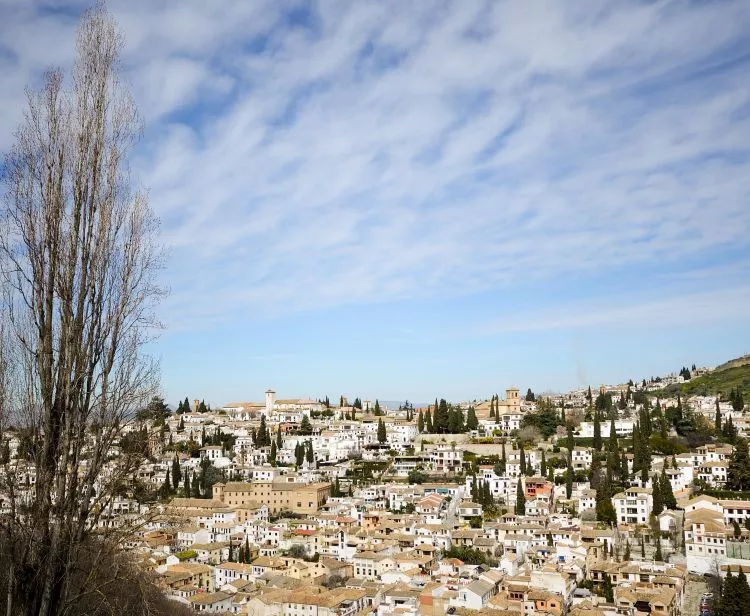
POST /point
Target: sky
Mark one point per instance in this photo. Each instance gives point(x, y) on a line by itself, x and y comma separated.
point(431, 199)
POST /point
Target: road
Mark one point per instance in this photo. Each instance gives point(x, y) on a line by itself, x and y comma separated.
point(694, 588)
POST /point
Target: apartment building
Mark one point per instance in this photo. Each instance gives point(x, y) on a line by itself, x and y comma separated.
point(633, 506)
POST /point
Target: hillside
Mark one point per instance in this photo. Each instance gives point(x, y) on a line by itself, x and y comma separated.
point(734, 374)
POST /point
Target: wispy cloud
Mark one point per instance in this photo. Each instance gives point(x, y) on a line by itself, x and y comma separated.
point(305, 155)
point(725, 306)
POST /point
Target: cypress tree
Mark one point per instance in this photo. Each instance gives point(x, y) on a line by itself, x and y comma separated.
point(176, 473)
point(595, 475)
point(487, 500)
point(569, 479)
point(279, 442)
point(186, 487)
point(643, 548)
point(166, 487)
point(195, 486)
point(503, 459)
point(609, 594)
point(263, 437)
point(472, 423)
point(272, 455)
point(310, 455)
point(667, 495)
point(442, 418)
point(428, 422)
point(743, 590)
point(738, 473)
point(382, 436)
point(657, 554)
point(455, 421)
point(336, 490)
point(627, 552)
point(520, 498)
point(543, 464)
point(571, 443)
point(612, 442)
point(420, 423)
point(656, 493)
point(605, 511)
point(597, 440)
point(624, 472)
point(717, 418)
point(474, 493)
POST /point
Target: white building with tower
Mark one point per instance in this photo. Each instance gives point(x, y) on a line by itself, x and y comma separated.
point(270, 401)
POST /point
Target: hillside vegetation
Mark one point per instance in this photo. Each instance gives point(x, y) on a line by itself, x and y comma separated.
point(733, 374)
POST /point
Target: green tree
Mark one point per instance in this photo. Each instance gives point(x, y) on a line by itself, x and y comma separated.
point(440, 419)
point(156, 411)
point(455, 421)
point(605, 511)
point(657, 554)
point(305, 427)
point(420, 422)
point(609, 594)
point(472, 423)
point(597, 440)
point(299, 454)
point(667, 494)
point(176, 473)
point(310, 454)
point(738, 473)
point(279, 441)
point(543, 465)
point(428, 422)
point(487, 501)
point(195, 486)
point(570, 442)
point(376, 409)
point(717, 418)
point(569, 479)
point(530, 397)
point(623, 404)
point(272, 455)
point(737, 400)
point(545, 418)
point(656, 493)
point(520, 498)
point(186, 487)
point(382, 437)
point(264, 438)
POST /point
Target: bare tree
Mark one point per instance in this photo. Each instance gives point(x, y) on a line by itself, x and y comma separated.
point(78, 260)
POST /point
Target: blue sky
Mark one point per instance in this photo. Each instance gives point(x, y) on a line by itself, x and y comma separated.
point(410, 200)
